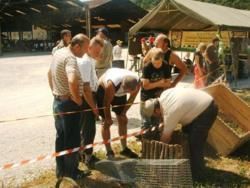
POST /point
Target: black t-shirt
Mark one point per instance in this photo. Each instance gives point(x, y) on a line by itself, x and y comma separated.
point(153, 74)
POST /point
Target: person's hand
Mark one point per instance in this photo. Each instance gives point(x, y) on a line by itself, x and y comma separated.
point(172, 84)
point(167, 83)
point(165, 137)
point(95, 111)
point(78, 101)
point(108, 122)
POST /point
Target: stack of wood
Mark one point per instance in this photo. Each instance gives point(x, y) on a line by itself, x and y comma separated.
point(152, 149)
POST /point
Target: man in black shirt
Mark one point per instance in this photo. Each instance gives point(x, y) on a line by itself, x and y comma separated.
point(170, 57)
point(155, 79)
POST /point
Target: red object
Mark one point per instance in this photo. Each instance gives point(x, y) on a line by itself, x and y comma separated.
point(151, 40)
point(199, 80)
point(143, 40)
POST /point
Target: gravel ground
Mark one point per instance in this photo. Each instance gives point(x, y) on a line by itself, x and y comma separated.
point(25, 93)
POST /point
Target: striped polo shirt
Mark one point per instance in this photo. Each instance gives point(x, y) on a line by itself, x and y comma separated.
point(64, 63)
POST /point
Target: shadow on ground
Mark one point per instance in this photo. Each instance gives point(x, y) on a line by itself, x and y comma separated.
point(220, 178)
point(242, 152)
point(132, 123)
point(23, 54)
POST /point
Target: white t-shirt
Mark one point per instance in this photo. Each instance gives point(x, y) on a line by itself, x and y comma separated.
point(182, 105)
point(116, 75)
point(86, 66)
point(117, 52)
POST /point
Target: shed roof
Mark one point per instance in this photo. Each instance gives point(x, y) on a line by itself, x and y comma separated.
point(190, 15)
point(59, 14)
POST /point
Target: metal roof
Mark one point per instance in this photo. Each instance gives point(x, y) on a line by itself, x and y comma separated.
point(59, 14)
point(189, 15)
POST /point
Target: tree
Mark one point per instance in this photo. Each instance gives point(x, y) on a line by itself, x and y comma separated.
point(146, 4)
point(240, 4)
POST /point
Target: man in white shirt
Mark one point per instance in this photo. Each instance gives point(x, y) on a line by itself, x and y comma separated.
point(86, 66)
point(117, 50)
point(192, 108)
point(117, 55)
point(105, 61)
point(114, 85)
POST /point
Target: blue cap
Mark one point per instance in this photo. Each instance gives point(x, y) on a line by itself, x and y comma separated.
point(104, 30)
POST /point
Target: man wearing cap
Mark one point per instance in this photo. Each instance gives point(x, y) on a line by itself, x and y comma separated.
point(192, 108)
point(114, 85)
point(212, 60)
point(66, 86)
point(105, 61)
point(64, 42)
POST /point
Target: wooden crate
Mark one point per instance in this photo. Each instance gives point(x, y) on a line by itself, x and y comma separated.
point(152, 149)
point(221, 137)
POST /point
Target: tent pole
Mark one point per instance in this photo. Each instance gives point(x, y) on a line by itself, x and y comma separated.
point(88, 20)
point(1, 39)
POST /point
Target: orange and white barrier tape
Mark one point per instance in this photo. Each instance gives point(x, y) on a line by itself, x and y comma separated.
point(86, 110)
point(69, 151)
point(64, 113)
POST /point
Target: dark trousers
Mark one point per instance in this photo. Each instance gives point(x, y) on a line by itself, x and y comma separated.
point(88, 127)
point(67, 137)
point(197, 132)
point(213, 72)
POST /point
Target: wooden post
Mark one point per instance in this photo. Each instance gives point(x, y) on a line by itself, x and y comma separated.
point(171, 152)
point(166, 151)
point(162, 151)
point(88, 20)
point(152, 149)
point(148, 149)
point(144, 149)
point(156, 152)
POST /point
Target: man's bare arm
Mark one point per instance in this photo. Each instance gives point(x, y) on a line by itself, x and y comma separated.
point(88, 96)
point(163, 83)
point(50, 79)
point(131, 99)
point(74, 88)
point(147, 57)
point(175, 60)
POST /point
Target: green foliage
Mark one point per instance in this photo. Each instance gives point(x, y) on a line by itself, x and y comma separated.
point(146, 4)
point(240, 4)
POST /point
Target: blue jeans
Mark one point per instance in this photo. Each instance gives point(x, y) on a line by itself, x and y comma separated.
point(148, 123)
point(67, 136)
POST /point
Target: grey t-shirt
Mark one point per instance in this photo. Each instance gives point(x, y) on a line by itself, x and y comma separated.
point(106, 56)
point(182, 105)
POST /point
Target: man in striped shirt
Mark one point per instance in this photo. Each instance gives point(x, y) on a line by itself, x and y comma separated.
point(65, 83)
